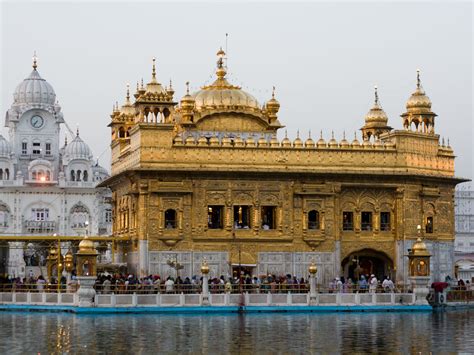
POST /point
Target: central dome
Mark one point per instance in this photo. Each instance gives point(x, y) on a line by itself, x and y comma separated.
point(34, 90)
point(222, 93)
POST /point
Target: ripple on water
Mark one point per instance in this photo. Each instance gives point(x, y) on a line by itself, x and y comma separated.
point(268, 333)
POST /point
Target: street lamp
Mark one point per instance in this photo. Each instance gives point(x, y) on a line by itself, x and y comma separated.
point(86, 223)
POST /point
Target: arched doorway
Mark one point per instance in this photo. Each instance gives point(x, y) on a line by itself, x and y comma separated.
point(367, 262)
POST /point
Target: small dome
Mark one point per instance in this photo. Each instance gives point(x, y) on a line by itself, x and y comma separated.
point(238, 141)
point(100, 170)
point(190, 140)
point(86, 245)
point(202, 141)
point(309, 143)
point(272, 105)
point(178, 140)
point(298, 143)
point(355, 143)
point(262, 142)
point(226, 141)
point(78, 149)
point(274, 141)
point(34, 90)
point(187, 102)
point(333, 142)
point(250, 141)
point(5, 148)
point(376, 115)
point(366, 144)
point(378, 144)
point(344, 143)
point(419, 248)
point(286, 142)
point(214, 141)
point(418, 101)
point(127, 108)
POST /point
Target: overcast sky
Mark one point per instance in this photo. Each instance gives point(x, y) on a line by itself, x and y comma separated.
point(324, 59)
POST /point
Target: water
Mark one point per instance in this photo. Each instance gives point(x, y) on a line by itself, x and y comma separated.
point(46, 333)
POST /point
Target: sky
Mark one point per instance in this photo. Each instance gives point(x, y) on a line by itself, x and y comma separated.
point(324, 59)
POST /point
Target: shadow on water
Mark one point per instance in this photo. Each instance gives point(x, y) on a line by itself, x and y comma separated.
point(224, 333)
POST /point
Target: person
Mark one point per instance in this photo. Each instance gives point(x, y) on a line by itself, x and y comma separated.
point(388, 285)
point(363, 284)
point(348, 286)
point(40, 283)
point(228, 286)
point(169, 285)
point(106, 285)
point(373, 284)
point(338, 285)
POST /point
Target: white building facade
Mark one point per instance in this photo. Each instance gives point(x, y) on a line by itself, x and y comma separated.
point(464, 242)
point(45, 188)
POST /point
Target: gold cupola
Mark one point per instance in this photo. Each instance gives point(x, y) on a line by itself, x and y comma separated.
point(375, 121)
point(222, 106)
point(418, 111)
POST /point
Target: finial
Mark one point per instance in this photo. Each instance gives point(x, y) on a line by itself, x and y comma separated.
point(418, 81)
point(321, 136)
point(332, 134)
point(128, 92)
point(448, 142)
point(142, 86)
point(376, 95)
point(77, 130)
point(171, 85)
point(273, 92)
point(343, 134)
point(153, 72)
point(286, 133)
point(35, 59)
point(298, 134)
point(138, 87)
point(187, 87)
point(116, 105)
point(355, 135)
point(442, 142)
point(65, 140)
point(309, 134)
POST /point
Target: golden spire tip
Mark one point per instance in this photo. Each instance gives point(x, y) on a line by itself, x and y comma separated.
point(418, 81)
point(376, 95)
point(273, 92)
point(187, 87)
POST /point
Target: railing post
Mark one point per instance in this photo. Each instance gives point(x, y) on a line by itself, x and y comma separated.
point(269, 298)
point(28, 297)
point(181, 299)
point(288, 298)
point(374, 298)
point(205, 283)
point(13, 297)
point(392, 298)
point(134, 299)
point(113, 299)
point(357, 298)
point(312, 283)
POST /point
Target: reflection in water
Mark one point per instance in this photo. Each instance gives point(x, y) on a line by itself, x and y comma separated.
point(342, 332)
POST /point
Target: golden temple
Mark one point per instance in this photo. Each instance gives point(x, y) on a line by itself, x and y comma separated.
point(208, 178)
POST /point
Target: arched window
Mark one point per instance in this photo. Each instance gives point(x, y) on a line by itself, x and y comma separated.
point(4, 215)
point(1, 174)
point(85, 175)
point(79, 216)
point(78, 175)
point(73, 175)
point(48, 175)
point(33, 175)
point(170, 219)
point(7, 174)
point(313, 219)
point(121, 132)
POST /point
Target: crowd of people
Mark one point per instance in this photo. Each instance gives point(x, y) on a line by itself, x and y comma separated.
point(38, 284)
point(366, 283)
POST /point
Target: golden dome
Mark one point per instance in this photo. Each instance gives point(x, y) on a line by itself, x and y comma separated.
point(187, 102)
point(419, 248)
point(226, 142)
point(274, 141)
point(355, 143)
point(221, 93)
point(309, 143)
point(298, 143)
point(214, 141)
point(376, 115)
point(238, 141)
point(250, 141)
point(86, 245)
point(178, 140)
point(272, 105)
point(366, 144)
point(321, 143)
point(286, 142)
point(127, 108)
point(418, 101)
point(154, 88)
point(333, 142)
point(262, 142)
point(344, 143)
point(190, 140)
point(202, 141)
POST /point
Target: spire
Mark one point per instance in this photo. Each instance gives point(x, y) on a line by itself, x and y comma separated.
point(142, 87)
point(418, 81)
point(153, 72)
point(321, 134)
point(344, 134)
point(187, 87)
point(309, 134)
point(273, 92)
point(298, 134)
point(128, 93)
point(221, 72)
point(376, 96)
point(65, 140)
point(77, 130)
point(35, 60)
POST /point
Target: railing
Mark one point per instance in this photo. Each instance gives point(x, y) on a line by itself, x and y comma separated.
point(457, 294)
point(40, 226)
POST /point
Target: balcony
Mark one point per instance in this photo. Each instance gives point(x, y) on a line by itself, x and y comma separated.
point(40, 227)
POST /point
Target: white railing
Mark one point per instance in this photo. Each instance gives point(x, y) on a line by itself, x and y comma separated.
point(222, 299)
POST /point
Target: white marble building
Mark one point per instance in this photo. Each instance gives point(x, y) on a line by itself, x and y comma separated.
point(464, 242)
point(45, 188)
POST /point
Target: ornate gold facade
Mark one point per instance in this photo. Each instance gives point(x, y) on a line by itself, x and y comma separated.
point(208, 176)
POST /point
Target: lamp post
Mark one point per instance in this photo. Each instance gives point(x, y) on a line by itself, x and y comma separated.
point(419, 268)
point(205, 282)
point(313, 269)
